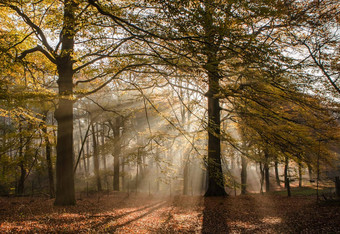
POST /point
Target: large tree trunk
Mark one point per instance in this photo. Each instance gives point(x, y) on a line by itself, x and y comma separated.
point(211, 48)
point(215, 174)
point(65, 192)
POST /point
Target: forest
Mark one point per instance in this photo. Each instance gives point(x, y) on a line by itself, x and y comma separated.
point(169, 116)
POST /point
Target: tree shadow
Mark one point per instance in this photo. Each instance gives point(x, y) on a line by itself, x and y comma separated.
point(112, 218)
point(214, 216)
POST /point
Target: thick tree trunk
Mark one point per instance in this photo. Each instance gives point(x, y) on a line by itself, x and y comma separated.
point(215, 174)
point(65, 192)
point(244, 162)
point(96, 159)
point(211, 48)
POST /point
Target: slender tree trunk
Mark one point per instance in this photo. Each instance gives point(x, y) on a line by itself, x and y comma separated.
point(123, 174)
point(286, 171)
point(21, 182)
point(262, 177)
point(277, 176)
point(82, 139)
point(96, 159)
point(48, 150)
point(88, 157)
point(186, 178)
point(300, 174)
point(116, 154)
point(266, 172)
point(310, 172)
point(103, 154)
point(4, 141)
point(65, 191)
point(244, 163)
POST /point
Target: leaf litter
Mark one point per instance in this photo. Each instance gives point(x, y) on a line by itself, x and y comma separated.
point(120, 213)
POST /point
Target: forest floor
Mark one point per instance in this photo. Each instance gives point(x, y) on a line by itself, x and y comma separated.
point(117, 212)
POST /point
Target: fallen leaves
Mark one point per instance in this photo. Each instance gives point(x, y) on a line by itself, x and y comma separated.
point(183, 214)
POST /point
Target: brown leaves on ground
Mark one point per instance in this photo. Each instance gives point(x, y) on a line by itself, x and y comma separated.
point(144, 214)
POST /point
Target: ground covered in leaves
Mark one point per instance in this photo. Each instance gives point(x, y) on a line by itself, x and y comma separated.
point(182, 214)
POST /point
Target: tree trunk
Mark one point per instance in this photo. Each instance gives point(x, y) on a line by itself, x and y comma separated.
point(244, 163)
point(87, 157)
point(215, 174)
point(96, 159)
point(21, 182)
point(262, 177)
point(48, 151)
point(310, 173)
point(116, 156)
point(300, 174)
point(103, 153)
point(337, 186)
point(186, 178)
point(266, 172)
point(277, 176)
point(65, 191)
point(83, 139)
point(286, 171)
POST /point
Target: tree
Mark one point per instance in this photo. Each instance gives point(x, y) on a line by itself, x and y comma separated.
point(69, 61)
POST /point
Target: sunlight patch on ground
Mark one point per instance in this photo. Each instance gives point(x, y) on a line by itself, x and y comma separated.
point(272, 220)
point(70, 216)
point(242, 225)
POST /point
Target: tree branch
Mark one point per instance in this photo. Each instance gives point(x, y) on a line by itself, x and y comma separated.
point(36, 28)
point(40, 49)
